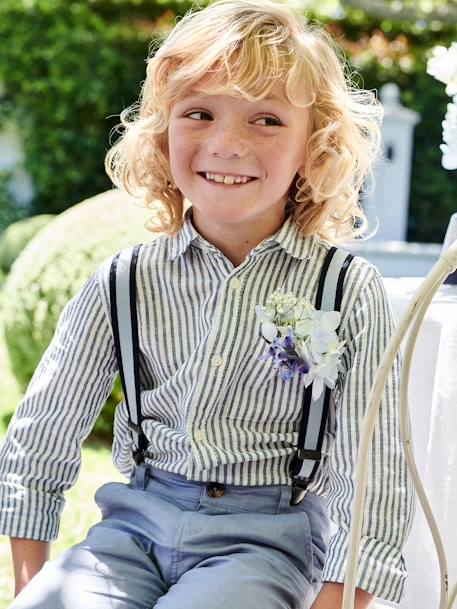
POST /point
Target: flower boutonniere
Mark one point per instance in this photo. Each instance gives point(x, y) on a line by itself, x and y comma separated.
point(302, 340)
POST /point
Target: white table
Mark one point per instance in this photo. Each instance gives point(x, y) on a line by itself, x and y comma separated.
point(433, 413)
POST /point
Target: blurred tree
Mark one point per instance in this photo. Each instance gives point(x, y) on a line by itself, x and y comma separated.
point(397, 10)
point(408, 10)
point(66, 66)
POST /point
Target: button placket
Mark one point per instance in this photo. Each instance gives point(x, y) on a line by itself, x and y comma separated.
point(216, 361)
point(234, 284)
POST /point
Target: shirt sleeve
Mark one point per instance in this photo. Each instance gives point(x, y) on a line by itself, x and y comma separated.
point(389, 504)
point(41, 455)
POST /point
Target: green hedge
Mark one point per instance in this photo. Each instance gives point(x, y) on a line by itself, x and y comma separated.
point(14, 238)
point(66, 72)
point(54, 266)
point(10, 212)
point(85, 61)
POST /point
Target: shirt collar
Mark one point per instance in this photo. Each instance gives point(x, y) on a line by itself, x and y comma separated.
point(288, 237)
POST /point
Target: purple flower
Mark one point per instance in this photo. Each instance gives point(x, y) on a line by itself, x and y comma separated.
point(285, 359)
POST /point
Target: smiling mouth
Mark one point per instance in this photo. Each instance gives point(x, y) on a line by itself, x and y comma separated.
point(221, 180)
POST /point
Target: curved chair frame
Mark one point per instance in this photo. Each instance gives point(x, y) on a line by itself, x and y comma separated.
point(413, 318)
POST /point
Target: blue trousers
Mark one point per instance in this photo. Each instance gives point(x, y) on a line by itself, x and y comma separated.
point(170, 543)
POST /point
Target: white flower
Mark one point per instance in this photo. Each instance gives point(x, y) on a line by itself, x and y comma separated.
point(323, 374)
point(261, 313)
point(449, 148)
point(304, 340)
point(443, 66)
point(303, 328)
point(330, 320)
point(269, 331)
point(317, 380)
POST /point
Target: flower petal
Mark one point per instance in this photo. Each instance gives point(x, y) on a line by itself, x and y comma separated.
point(318, 387)
point(330, 320)
point(269, 331)
point(303, 328)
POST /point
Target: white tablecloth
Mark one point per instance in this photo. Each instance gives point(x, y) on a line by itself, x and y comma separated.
point(433, 412)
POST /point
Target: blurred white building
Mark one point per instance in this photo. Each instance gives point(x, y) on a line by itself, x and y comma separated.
point(387, 206)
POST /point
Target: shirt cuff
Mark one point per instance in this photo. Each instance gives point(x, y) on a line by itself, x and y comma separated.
point(29, 514)
point(381, 566)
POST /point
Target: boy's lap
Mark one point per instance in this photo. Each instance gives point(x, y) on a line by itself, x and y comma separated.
point(85, 578)
point(131, 560)
point(80, 580)
point(237, 582)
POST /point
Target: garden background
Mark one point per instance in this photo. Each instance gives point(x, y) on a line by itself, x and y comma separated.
point(67, 69)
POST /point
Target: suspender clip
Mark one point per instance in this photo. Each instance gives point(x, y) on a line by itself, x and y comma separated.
point(134, 427)
point(138, 456)
point(304, 453)
point(299, 490)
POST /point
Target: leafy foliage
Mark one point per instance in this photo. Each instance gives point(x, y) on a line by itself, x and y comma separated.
point(402, 11)
point(9, 210)
point(16, 236)
point(64, 71)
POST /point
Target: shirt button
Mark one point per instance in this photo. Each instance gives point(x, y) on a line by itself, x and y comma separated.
point(235, 283)
point(199, 435)
point(217, 361)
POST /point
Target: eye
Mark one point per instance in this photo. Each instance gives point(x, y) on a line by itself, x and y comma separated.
point(274, 122)
point(192, 114)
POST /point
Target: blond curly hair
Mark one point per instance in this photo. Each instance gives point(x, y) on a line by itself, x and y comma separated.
point(251, 46)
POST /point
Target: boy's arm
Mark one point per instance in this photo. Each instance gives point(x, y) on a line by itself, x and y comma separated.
point(41, 454)
point(28, 558)
point(389, 504)
point(331, 597)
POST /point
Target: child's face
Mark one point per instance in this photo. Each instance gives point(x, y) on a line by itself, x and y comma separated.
point(231, 136)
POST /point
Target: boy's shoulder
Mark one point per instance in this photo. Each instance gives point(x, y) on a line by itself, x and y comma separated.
point(362, 279)
point(150, 252)
point(360, 268)
point(156, 247)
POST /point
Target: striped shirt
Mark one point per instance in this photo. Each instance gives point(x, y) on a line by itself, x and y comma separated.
point(213, 410)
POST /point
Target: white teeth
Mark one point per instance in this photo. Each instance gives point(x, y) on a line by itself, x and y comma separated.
point(217, 177)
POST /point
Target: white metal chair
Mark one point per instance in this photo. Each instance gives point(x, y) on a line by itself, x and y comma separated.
point(411, 321)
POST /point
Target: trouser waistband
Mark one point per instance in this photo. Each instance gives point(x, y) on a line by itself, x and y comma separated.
point(266, 499)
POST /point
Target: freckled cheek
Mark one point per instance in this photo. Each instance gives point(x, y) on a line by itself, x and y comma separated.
point(182, 151)
point(278, 165)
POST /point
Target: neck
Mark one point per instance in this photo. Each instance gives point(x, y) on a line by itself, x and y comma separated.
point(236, 241)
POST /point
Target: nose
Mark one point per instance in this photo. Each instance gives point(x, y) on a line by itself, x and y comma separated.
point(227, 141)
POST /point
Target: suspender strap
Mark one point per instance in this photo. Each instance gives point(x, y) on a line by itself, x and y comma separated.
point(125, 330)
point(315, 412)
